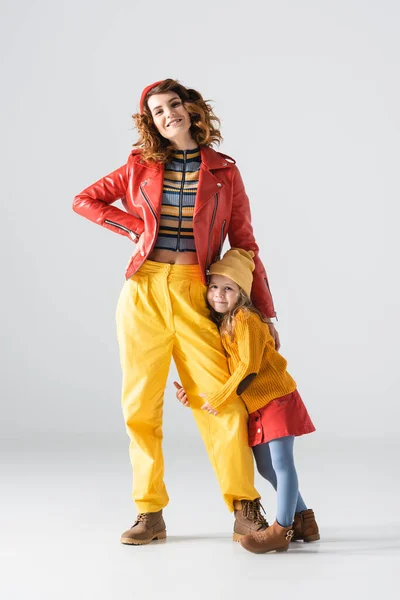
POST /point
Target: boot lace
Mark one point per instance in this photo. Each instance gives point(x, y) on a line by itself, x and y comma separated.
point(252, 511)
point(142, 517)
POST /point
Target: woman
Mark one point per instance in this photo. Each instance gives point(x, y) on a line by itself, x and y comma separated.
point(181, 198)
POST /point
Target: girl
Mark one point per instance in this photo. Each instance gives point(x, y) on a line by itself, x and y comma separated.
point(259, 376)
point(181, 198)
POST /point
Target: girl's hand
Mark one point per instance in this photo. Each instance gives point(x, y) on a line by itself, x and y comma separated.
point(275, 335)
point(208, 408)
point(181, 394)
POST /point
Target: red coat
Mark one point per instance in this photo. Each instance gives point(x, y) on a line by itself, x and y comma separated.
point(221, 208)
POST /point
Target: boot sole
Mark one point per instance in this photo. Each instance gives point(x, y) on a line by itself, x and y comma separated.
point(263, 551)
point(161, 535)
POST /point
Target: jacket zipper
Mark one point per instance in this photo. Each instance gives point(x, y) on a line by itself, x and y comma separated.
point(149, 204)
point(218, 257)
point(153, 213)
point(209, 237)
point(129, 231)
point(178, 239)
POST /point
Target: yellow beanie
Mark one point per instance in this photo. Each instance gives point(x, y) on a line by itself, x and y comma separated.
point(238, 265)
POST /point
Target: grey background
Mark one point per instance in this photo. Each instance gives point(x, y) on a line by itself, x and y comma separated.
point(308, 94)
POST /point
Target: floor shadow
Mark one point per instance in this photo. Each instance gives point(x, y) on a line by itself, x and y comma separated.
point(345, 545)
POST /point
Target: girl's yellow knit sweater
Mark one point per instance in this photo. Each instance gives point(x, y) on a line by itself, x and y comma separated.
point(252, 351)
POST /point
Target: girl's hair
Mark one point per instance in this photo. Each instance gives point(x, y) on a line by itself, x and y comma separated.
point(204, 128)
point(226, 321)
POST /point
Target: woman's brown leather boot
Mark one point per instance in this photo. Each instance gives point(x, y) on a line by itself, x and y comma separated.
point(305, 526)
point(146, 528)
point(248, 518)
point(274, 539)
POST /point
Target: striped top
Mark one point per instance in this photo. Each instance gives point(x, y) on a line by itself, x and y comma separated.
point(181, 180)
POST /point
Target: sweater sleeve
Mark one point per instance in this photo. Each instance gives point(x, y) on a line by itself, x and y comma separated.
point(251, 341)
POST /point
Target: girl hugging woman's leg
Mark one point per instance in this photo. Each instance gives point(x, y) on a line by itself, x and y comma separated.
point(276, 411)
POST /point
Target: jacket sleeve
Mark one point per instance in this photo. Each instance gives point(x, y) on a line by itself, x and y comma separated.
point(95, 201)
point(240, 235)
point(251, 343)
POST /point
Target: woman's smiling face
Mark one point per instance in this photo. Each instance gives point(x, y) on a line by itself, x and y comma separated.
point(169, 115)
point(222, 293)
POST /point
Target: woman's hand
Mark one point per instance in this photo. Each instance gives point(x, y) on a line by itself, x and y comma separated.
point(181, 394)
point(139, 244)
point(275, 335)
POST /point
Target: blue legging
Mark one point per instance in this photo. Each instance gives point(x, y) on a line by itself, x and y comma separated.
point(275, 462)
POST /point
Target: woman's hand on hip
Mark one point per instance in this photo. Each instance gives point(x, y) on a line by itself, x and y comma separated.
point(139, 243)
point(275, 335)
point(181, 394)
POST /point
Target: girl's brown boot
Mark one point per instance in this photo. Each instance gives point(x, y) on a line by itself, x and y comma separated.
point(275, 538)
point(305, 526)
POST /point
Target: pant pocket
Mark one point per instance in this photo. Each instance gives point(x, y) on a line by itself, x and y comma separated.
point(140, 292)
point(197, 293)
point(129, 299)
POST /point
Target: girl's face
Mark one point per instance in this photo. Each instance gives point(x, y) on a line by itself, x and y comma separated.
point(222, 294)
point(169, 115)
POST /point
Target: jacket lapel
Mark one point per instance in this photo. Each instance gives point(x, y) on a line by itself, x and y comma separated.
point(151, 185)
point(209, 181)
point(208, 187)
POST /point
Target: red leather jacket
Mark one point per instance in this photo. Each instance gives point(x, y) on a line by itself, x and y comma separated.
point(221, 208)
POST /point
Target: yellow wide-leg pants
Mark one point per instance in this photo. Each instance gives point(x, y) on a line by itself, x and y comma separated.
point(162, 313)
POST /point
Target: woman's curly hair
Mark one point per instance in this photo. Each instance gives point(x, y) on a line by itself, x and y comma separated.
point(204, 129)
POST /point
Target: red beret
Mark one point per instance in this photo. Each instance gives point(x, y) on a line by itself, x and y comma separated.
point(145, 91)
